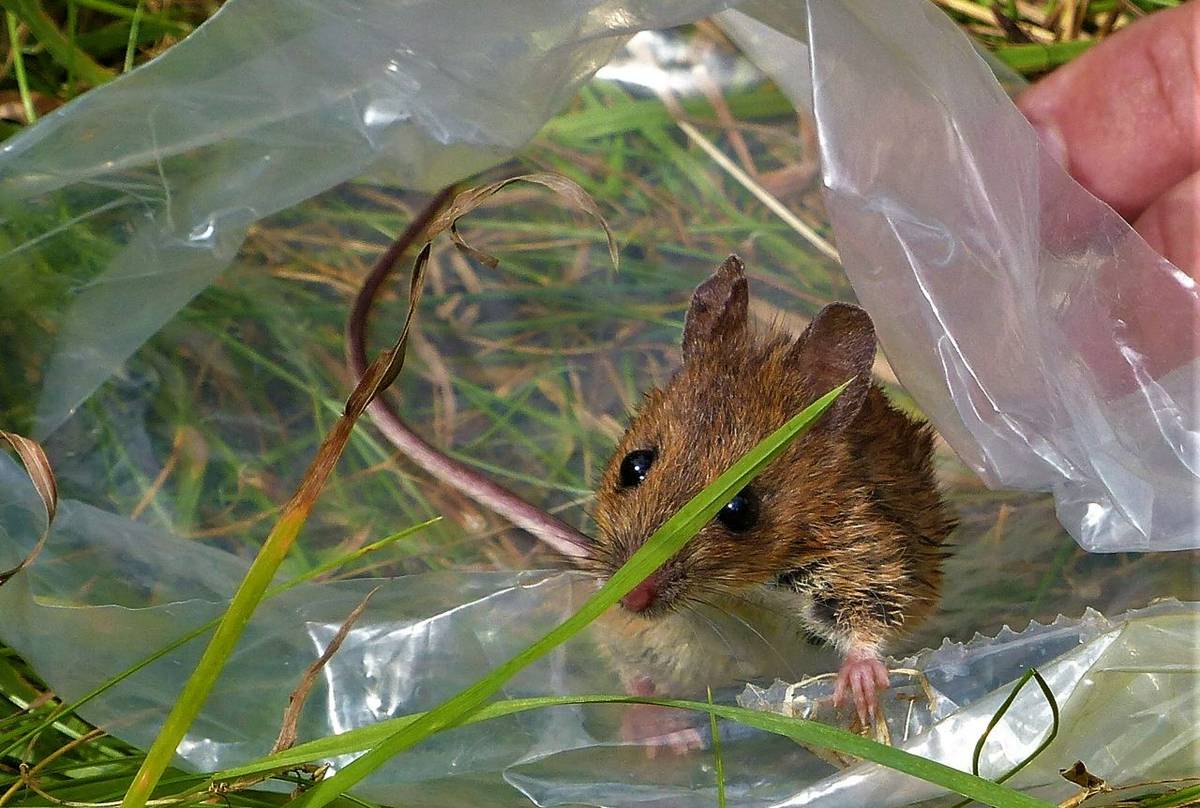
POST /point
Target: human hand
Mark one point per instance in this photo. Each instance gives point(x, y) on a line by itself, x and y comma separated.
point(1124, 119)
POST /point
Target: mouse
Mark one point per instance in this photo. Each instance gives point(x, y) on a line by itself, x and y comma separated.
point(845, 531)
point(841, 537)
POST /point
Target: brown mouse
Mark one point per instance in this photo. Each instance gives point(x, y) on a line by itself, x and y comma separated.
point(841, 535)
point(844, 530)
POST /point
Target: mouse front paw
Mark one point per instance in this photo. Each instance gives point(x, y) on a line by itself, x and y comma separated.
point(862, 676)
point(659, 730)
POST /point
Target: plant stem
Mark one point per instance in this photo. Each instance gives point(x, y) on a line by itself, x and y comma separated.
point(14, 42)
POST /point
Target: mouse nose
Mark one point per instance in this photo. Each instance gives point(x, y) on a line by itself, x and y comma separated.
point(642, 596)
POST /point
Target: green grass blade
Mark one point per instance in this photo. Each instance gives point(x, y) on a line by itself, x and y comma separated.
point(43, 29)
point(810, 733)
point(718, 759)
point(377, 376)
point(665, 542)
point(174, 27)
point(131, 45)
point(1039, 57)
point(1176, 799)
point(18, 59)
point(1032, 673)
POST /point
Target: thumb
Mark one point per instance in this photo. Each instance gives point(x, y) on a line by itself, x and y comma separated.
point(1124, 118)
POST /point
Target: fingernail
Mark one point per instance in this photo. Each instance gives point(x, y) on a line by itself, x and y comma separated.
point(1052, 140)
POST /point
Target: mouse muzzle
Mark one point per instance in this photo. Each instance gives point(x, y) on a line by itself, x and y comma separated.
point(656, 595)
point(644, 595)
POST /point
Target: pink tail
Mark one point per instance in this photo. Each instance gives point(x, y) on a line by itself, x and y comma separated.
point(554, 532)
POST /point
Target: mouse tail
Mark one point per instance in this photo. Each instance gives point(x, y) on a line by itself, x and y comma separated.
point(553, 532)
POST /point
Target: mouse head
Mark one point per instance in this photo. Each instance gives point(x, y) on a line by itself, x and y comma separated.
point(735, 387)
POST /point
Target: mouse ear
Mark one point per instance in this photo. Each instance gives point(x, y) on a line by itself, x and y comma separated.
point(839, 344)
point(718, 308)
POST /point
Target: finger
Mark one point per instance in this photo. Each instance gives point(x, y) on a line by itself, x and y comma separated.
point(881, 677)
point(1171, 225)
point(858, 682)
point(1162, 320)
point(839, 691)
point(1124, 117)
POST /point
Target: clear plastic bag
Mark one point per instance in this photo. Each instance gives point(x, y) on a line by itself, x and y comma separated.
point(1112, 699)
point(931, 191)
point(143, 316)
point(424, 637)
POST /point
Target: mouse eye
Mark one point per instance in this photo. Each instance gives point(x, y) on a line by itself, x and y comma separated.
point(740, 513)
point(636, 466)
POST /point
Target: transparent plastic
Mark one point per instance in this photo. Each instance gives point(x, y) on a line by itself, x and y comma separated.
point(177, 283)
point(1128, 689)
point(1088, 663)
point(954, 239)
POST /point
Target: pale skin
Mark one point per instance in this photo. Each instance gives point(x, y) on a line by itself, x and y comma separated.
point(1124, 120)
point(861, 677)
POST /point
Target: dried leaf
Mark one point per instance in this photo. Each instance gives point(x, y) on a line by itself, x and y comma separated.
point(488, 260)
point(1080, 776)
point(387, 366)
point(287, 731)
point(37, 466)
point(383, 371)
point(472, 198)
point(291, 715)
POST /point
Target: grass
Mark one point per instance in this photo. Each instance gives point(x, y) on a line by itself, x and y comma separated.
point(525, 369)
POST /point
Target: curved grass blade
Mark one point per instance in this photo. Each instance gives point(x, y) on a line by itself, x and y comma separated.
point(1032, 673)
point(37, 466)
point(810, 733)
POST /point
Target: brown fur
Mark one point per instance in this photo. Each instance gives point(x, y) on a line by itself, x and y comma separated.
point(851, 523)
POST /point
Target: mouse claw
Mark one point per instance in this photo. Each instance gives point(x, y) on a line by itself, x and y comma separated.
point(862, 675)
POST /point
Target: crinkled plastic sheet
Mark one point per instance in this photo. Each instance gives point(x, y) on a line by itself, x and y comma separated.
point(995, 283)
point(955, 240)
point(421, 639)
point(1127, 689)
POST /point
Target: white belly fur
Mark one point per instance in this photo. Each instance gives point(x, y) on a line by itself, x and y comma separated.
point(758, 636)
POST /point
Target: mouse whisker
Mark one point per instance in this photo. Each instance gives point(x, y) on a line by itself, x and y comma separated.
point(691, 609)
point(759, 606)
point(594, 570)
point(766, 643)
